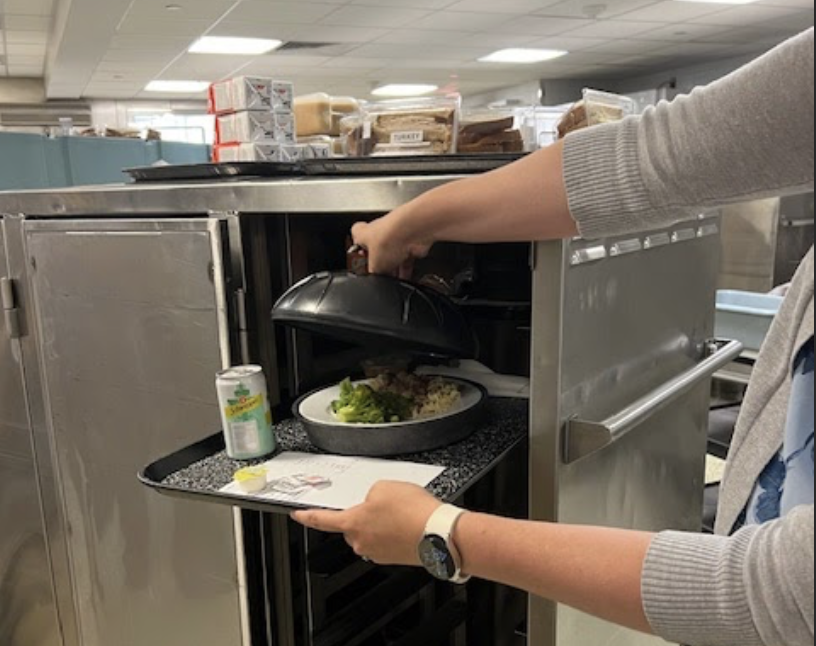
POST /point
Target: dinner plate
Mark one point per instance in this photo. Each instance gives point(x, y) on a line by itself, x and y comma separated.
point(397, 438)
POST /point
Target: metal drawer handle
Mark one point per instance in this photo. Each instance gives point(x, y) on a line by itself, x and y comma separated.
point(585, 438)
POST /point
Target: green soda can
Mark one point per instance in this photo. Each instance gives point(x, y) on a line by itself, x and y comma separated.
point(245, 413)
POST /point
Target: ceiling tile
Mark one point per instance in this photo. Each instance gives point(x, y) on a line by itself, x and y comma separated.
point(26, 23)
point(271, 12)
point(671, 11)
point(422, 36)
point(25, 71)
point(749, 16)
point(592, 9)
point(567, 43)
point(28, 7)
point(39, 38)
point(463, 21)
point(278, 31)
point(412, 4)
point(180, 28)
point(186, 9)
point(204, 68)
point(801, 4)
point(147, 44)
point(504, 6)
point(745, 35)
point(25, 49)
point(417, 52)
point(543, 26)
point(338, 34)
point(631, 47)
point(26, 59)
point(682, 32)
point(388, 17)
point(490, 41)
point(612, 29)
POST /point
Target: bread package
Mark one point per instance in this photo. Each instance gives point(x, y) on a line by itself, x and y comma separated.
point(596, 108)
point(321, 114)
point(490, 133)
point(414, 127)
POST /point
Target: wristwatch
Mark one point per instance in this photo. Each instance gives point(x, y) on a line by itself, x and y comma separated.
point(437, 550)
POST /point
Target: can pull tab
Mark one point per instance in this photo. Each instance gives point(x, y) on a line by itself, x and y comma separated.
point(357, 260)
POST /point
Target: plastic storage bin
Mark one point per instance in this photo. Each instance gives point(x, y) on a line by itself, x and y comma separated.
point(746, 316)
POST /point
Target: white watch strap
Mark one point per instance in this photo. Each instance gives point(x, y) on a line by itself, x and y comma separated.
point(443, 524)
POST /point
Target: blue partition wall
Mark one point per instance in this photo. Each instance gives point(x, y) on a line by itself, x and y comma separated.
point(33, 161)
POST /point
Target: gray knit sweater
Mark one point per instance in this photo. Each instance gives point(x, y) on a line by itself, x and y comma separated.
point(748, 136)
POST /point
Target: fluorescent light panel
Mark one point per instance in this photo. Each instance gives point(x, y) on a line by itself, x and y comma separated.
point(177, 87)
point(405, 89)
point(234, 46)
point(523, 56)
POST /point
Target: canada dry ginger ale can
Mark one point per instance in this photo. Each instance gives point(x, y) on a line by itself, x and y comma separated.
point(245, 413)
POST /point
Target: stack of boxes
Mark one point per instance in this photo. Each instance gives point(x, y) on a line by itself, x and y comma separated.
point(255, 122)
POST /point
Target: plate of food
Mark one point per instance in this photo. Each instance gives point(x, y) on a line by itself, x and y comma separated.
point(393, 414)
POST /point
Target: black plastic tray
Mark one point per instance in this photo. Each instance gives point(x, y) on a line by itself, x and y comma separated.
point(199, 471)
point(418, 165)
point(203, 172)
point(339, 167)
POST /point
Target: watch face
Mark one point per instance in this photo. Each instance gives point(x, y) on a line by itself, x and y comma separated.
point(436, 557)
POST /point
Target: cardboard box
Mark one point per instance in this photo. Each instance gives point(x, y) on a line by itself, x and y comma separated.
point(259, 152)
point(255, 127)
point(251, 93)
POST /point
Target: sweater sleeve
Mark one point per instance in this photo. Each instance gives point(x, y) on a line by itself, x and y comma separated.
point(747, 136)
point(754, 589)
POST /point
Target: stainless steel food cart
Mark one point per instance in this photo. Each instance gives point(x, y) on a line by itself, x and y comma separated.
point(123, 301)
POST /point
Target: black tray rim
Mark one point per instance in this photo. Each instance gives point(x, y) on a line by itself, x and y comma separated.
point(213, 171)
point(466, 164)
point(409, 165)
point(153, 475)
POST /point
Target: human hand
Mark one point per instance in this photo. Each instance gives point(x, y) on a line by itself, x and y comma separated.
point(387, 529)
point(391, 248)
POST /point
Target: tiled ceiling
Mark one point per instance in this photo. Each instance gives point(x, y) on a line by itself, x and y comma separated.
point(24, 29)
point(113, 48)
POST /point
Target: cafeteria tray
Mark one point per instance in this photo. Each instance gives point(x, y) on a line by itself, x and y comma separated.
point(204, 172)
point(413, 165)
point(200, 471)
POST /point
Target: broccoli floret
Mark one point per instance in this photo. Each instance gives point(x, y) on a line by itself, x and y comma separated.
point(363, 405)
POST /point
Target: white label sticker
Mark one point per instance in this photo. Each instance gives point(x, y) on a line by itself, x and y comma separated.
point(246, 438)
point(367, 129)
point(412, 137)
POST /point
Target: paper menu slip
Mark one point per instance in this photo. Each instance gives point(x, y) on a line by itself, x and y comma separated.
point(332, 482)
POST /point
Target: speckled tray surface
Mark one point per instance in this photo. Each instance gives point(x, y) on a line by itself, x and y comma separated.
point(201, 471)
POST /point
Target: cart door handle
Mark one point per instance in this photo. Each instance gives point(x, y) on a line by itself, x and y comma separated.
point(583, 438)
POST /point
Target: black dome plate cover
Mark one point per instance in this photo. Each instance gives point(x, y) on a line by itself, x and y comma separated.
point(380, 311)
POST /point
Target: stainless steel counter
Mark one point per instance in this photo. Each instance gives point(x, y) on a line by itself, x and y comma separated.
point(292, 196)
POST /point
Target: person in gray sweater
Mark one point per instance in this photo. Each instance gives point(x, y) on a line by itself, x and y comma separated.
point(748, 136)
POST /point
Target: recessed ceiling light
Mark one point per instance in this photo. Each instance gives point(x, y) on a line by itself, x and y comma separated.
point(734, 2)
point(523, 56)
point(177, 87)
point(405, 89)
point(234, 46)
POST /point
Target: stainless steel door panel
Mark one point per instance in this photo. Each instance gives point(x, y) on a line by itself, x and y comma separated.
point(628, 324)
point(27, 609)
point(130, 328)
